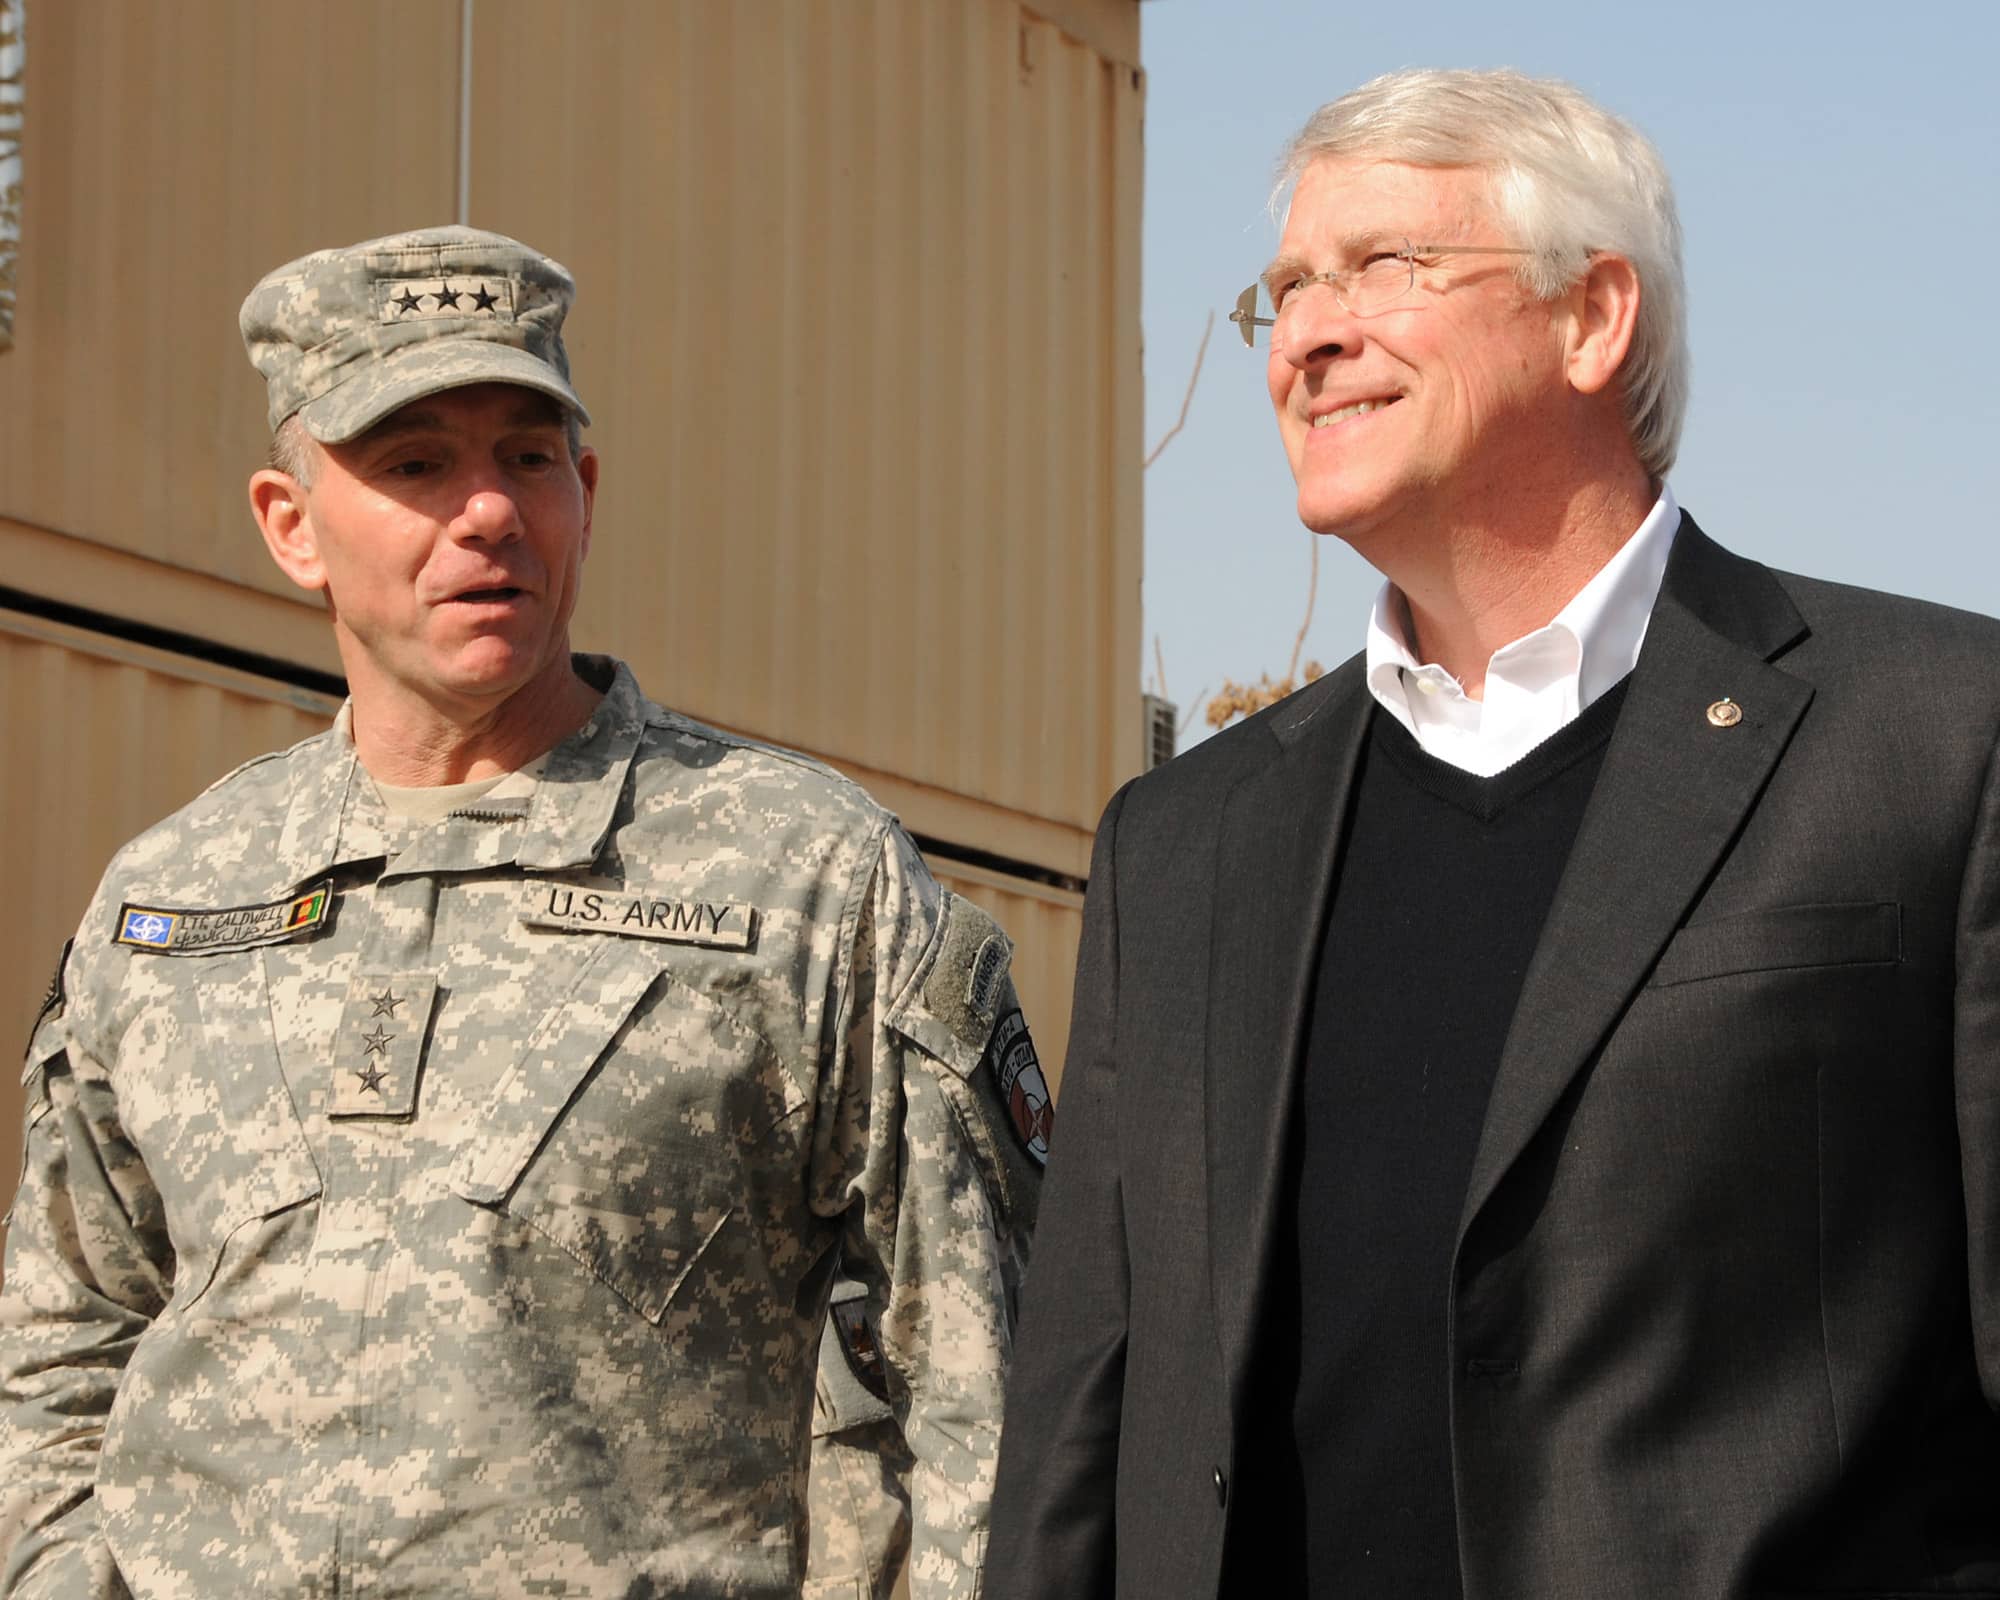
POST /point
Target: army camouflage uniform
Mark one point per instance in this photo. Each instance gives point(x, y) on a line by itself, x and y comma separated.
point(451, 1209)
point(859, 1489)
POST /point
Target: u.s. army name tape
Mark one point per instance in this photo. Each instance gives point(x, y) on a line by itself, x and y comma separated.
point(673, 919)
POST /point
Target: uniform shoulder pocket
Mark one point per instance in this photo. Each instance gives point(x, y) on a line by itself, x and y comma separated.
point(952, 1001)
point(961, 1009)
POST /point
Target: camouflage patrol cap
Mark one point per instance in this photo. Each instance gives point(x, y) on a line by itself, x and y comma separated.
point(344, 337)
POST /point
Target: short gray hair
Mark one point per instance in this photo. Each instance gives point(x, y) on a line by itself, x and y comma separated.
point(294, 453)
point(1568, 180)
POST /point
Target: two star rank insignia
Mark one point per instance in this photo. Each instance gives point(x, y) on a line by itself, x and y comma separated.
point(380, 1046)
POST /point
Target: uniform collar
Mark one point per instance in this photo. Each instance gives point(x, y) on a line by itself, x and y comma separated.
point(570, 815)
point(560, 820)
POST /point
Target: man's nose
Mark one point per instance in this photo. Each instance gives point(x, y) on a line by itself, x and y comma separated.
point(1312, 326)
point(490, 515)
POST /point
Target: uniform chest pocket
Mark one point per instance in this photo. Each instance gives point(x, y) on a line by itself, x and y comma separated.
point(638, 1118)
point(204, 1098)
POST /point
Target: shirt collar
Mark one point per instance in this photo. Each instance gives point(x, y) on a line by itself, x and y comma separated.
point(1609, 614)
point(1593, 641)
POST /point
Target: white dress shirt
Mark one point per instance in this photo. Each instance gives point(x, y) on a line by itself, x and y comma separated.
point(1541, 682)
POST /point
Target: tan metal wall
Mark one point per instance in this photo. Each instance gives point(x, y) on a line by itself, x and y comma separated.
point(894, 282)
point(174, 153)
point(858, 322)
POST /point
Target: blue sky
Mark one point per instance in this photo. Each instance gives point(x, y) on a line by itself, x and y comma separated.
point(1838, 168)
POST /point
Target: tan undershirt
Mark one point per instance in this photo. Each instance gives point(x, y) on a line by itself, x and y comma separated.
point(435, 802)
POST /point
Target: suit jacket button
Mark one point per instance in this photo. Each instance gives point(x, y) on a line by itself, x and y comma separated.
point(1221, 1488)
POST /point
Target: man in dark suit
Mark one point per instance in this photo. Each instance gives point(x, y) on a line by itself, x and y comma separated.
point(1531, 1123)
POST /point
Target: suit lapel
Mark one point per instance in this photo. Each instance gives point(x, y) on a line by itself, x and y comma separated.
point(1674, 791)
point(1278, 837)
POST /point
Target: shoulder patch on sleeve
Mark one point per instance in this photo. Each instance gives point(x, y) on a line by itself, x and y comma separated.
point(1024, 1091)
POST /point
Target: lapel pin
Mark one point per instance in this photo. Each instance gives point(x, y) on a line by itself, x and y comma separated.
point(1725, 713)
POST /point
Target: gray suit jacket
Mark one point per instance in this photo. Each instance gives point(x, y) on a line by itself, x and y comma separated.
point(1725, 1307)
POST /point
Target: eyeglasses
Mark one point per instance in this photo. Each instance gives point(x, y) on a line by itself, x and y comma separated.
point(1378, 283)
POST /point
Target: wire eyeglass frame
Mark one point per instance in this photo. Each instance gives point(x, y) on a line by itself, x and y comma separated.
point(1343, 283)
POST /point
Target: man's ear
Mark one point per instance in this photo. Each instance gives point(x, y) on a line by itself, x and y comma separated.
point(1604, 309)
point(278, 502)
point(586, 470)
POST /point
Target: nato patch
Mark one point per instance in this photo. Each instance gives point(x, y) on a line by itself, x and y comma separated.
point(1017, 1070)
point(186, 931)
point(857, 1343)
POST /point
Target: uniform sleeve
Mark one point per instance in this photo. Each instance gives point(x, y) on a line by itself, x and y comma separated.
point(87, 1268)
point(858, 1489)
point(931, 1131)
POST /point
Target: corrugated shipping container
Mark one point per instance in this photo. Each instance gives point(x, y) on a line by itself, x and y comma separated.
point(894, 281)
point(174, 153)
point(858, 320)
point(858, 323)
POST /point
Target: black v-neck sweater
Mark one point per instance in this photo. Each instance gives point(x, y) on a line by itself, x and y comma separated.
point(1444, 882)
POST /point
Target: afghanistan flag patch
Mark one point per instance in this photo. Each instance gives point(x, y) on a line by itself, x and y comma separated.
point(192, 931)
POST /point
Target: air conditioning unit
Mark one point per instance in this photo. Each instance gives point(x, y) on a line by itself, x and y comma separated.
point(1162, 732)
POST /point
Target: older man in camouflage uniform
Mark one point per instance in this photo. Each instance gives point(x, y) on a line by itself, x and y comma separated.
point(442, 1134)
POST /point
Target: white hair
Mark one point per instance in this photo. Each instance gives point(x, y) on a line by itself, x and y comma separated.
point(1568, 180)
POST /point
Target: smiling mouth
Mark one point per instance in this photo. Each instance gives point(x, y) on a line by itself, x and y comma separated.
point(1360, 408)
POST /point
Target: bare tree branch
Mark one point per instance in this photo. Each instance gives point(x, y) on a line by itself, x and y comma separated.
point(1187, 399)
point(1312, 593)
point(1235, 699)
